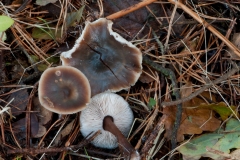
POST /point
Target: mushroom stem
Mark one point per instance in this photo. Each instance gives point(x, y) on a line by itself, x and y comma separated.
point(128, 150)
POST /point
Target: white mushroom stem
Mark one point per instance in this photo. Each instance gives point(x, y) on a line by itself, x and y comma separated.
point(128, 150)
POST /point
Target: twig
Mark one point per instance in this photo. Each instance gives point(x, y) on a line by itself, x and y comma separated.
point(23, 5)
point(220, 153)
point(207, 25)
point(170, 26)
point(99, 152)
point(150, 141)
point(219, 49)
point(28, 116)
point(27, 80)
point(35, 151)
point(130, 9)
point(203, 88)
point(170, 74)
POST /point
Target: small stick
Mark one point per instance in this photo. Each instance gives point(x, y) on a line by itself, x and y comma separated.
point(34, 151)
point(220, 153)
point(170, 74)
point(203, 88)
point(23, 5)
point(152, 137)
point(129, 9)
point(207, 25)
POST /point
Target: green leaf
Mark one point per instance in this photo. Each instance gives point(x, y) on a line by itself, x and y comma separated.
point(221, 108)
point(229, 141)
point(53, 60)
point(197, 146)
point(44, 2)
point(40, 33)
point(34, 58)
point(46, 33)
point(5, 23)
point(151, 103)
point(232, 125)
point(42, 67)
point(224, 142)
point(74, 16)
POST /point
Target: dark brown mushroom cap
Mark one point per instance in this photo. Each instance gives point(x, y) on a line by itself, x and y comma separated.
point(64, 90)
point(109, 61)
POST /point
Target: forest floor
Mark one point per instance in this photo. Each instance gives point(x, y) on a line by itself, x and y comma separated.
point(185, 103)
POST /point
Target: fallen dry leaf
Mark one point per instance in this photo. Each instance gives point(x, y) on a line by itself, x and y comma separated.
point(178, 18)
point(20, 126)
point(203, 98)
point(194, 121)
point(19, 103)
point(44, 115)
point(207, 101)
point(216, 146)
point(145, 77)
point(132, 24)
point(41, 131)
point(186, 89)
point(64, 133)
point(236, 41)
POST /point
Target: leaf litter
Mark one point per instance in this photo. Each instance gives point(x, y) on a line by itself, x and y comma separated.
point(197, 56)
point(194, 121)
point(222, 141)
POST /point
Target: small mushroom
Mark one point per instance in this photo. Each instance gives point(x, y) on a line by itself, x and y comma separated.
point(64, 90)
point(111, 114)
point(108, 60)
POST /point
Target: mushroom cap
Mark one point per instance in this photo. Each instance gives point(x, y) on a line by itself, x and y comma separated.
point(108, 60)
point(101, 105)
point(64, 90)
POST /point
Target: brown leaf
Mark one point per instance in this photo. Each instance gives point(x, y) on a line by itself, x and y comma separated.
point(194, 121)
point(64, 132)
point(20, 101)
point(200, 116)
point(196, 101)
point(178, 25)
point(133, 22)
point(145, 77)
point(236, 41)
point(20, 126)
point(41, 131)
point(186, 89)
point(44, 115)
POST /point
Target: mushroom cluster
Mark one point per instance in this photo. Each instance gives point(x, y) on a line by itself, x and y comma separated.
point(100, 61)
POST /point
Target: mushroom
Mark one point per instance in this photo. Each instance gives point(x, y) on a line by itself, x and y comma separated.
point(111, 114)
point(108, 60)
point(64, 90)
